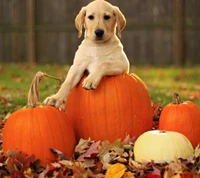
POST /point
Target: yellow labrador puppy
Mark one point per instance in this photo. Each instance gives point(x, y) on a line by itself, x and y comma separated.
point(100, 53)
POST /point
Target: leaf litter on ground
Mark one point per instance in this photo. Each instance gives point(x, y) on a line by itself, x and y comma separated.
point(95, 159)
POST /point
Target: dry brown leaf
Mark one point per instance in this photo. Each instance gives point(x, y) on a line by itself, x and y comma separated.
point(136, 165)
point(173, 169)
point(82, 146)
point(116, 171)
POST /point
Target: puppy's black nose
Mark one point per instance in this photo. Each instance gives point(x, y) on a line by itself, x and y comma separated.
point(99, 33)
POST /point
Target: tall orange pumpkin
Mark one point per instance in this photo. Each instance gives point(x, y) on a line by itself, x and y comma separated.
point(37, 128)
point(119, 106)
point(182, 117)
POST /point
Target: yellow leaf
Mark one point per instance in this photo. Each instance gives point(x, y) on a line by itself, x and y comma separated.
point(167, 175)
point(128, 175)
point(116, 171)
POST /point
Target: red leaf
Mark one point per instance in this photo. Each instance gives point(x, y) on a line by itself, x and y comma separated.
point(187, 175)
point(151, 175)
point(156, 108)
point(18, 175)
point(17, 161)
point(91, 152)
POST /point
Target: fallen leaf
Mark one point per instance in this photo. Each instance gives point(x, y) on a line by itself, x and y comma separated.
point(129, 140)
point(18, 161)
point(157, 109)
point(136, 165)
point(91, 152)
point(152, 175)
point(186, 175)
point(194, 95)
point(79, 171)
point(82, 146)
point(59, 154)
point(116, 171)
point(128, 175)
point(174, 169)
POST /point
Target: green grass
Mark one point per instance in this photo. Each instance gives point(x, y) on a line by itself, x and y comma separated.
point(15, 80)
point(163, 82)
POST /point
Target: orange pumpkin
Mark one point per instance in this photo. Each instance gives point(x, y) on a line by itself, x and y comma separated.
point(119, 106)
point(37, 128)
point(182, 117)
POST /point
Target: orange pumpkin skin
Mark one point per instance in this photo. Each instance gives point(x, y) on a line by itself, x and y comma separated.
point(35, 130)
point(119, 106)
point(183, 118)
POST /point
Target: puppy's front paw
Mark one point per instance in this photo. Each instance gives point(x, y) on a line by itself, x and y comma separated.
point(54, 101)
point(90, 83)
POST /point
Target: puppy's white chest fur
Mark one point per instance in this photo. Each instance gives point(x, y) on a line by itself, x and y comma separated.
point(94, 59)
point(93, 64)
point(94, 56)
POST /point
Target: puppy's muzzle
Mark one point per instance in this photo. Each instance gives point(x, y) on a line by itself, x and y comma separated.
point(99, 33)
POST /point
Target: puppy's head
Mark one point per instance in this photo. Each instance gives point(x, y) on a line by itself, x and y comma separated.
point(100, 19)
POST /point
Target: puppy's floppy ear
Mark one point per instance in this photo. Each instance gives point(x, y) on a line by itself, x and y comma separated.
point(79, 20)
point(121, 21)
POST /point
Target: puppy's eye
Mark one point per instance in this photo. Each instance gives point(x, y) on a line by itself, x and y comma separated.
point(91, 17)
point(106, 17)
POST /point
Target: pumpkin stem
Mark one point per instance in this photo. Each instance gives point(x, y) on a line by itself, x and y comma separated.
point(33, 94)
point(176, 99)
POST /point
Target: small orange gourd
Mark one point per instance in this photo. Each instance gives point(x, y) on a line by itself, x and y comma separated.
point(35, 128)
point(119, 106)
point(182, 117)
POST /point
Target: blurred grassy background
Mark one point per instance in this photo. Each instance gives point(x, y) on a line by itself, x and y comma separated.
point(15, 80)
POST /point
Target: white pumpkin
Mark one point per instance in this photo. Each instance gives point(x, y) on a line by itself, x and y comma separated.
point(162, 146)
